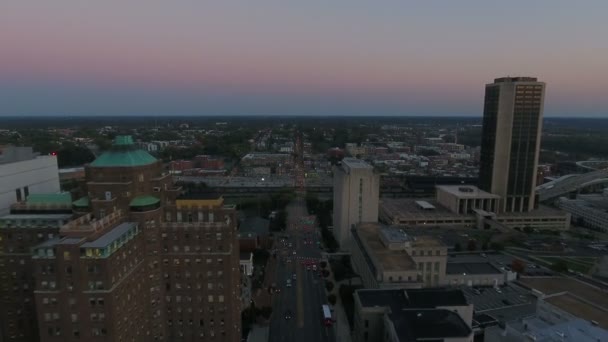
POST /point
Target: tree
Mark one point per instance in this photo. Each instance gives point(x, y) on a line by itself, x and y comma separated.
point(323, 264)
point(457, 247)
point(518, 266)
point(329, 286)
point(266, 312)
point(528, 229)
point(325, 273)
point(472, 245)
point(332, 299)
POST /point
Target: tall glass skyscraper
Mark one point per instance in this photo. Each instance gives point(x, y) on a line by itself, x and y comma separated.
point(512, 123)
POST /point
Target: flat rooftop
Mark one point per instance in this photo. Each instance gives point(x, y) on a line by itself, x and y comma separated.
point(355, 163)
point(554, 285)
point(413, 325)
point(398, 299)
point(35, 217)
point(408, 209)
point(577, 307)
point(109, 237)
point(471, 268)
point(384, 258)
point(466, 191)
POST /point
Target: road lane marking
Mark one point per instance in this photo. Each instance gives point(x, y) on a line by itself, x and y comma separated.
point(300, 298)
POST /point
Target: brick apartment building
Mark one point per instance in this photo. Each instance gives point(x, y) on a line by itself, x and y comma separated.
point(29, 223)
point(143, 262)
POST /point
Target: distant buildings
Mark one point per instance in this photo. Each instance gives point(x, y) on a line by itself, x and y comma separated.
point(512, 123)
point(23, 172)
point(399, 315)
point(356, 194)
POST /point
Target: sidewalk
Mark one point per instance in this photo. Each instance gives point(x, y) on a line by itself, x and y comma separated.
point(342, 328)
point(261, 297)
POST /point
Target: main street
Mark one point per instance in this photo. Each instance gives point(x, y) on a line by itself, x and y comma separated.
point(297, 308)
point(307, 293)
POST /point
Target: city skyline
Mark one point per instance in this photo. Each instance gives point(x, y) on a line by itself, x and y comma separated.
point(321, 59)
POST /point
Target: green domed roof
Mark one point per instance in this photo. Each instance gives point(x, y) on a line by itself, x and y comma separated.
point(123, 154)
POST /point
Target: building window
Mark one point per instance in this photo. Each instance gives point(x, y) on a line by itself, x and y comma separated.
point(18, 194)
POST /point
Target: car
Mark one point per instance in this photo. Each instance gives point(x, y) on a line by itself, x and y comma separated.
point(288, 315)
point(308, 268)
point(294, 252)
point(288, 283)
point(293, 276)
point(314, 267)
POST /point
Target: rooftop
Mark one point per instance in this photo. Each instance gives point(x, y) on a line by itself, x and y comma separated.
point(35, 217)
point(199, 196)
point(142, 201)
point(465, 191)
point(579, 308)
point(515, 79)
point(408, 209)
point(471, 268)
point(397, 299)
point(354, 163)
point(555, 285)
point(394, 235)
point(382, 257)
point(52, 198)
point(109, 237)
point(413, 325)
point(254, 225)
point(123, 154)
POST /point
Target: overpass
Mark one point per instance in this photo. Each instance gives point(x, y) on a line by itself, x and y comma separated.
point(571, 184)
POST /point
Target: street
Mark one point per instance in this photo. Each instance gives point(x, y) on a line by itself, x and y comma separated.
point(303, 300)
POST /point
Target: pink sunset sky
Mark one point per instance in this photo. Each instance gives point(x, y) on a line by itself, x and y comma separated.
point(296, 58)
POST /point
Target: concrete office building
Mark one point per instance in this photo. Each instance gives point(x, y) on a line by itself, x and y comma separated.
point(467, 206)
point(386, 257)
point(587, 210)
point(143, 262)
point(398, 315)
point(356, 194)
point(512, 123)
point(23, 172)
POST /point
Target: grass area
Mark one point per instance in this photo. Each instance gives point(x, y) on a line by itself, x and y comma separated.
point(576, 264)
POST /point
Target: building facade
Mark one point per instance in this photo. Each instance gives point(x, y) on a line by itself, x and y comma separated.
point(23, 172)
point(25, 227)
point(356, 195)
point(511, 133)
point(142, 262)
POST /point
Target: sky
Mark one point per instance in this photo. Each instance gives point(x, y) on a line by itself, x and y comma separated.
point(313, 57)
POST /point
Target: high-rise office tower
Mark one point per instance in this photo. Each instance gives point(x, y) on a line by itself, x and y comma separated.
point(512, 123)
point(356, 193)
point(142, 262)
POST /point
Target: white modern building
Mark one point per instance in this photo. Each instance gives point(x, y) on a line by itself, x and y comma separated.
point(587, 210)
point(356, 193)
point(23, 172)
